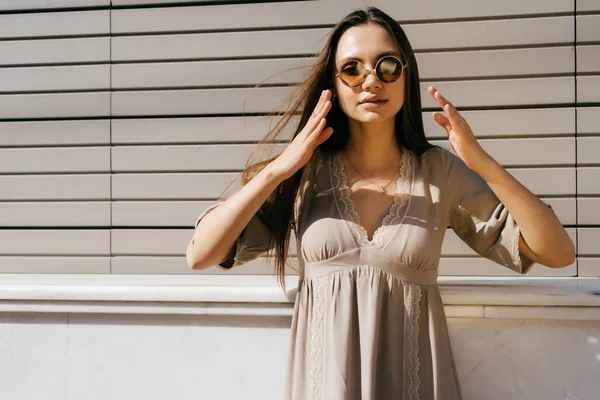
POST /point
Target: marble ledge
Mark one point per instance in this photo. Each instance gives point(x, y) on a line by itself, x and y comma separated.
point(472, 297)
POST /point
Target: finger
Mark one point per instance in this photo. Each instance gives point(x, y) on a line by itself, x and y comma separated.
point(326, 107)
point(317, 113)
point(320, 111)
point(431, 90)
point(442, 121)
point(322, 100)
point(315, 133)
point(324, 136)
point(453, 115)
point(313, 115)
point(447, 106)
point(312, 122)
point(318, 104)
point(451, 111)
point(437, 95)
point(320, 116)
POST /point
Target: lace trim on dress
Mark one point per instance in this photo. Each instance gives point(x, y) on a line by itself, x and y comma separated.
point(414, 301)
point(316, 342)
point(516, 255)
point(403, 189)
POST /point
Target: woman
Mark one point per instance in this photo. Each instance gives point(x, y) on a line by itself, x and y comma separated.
point(369, 199)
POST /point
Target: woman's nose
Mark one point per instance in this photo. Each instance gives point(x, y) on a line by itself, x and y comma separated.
point(371, 80)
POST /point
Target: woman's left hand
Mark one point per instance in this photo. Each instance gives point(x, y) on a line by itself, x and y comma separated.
point(460, 135)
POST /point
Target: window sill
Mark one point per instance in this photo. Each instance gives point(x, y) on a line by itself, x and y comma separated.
point(473, 297)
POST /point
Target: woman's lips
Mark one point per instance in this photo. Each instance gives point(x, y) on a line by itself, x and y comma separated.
point(373, 104)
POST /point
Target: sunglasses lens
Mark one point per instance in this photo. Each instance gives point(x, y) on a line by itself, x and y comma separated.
point(389, 69)
point(353, 73)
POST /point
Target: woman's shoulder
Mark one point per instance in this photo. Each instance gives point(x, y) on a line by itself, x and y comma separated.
point(438, 152)
point(438, 159)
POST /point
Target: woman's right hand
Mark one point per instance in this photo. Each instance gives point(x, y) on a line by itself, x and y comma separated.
point(301, 149)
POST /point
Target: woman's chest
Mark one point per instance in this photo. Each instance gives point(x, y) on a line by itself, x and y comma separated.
point(410, 231)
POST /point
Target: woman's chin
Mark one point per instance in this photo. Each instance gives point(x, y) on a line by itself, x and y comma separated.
point(370, 117)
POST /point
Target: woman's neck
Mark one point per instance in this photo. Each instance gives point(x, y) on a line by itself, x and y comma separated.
point(373, 147)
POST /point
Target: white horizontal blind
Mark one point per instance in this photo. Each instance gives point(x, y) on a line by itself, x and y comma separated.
point(55, 177)
point(121, 121)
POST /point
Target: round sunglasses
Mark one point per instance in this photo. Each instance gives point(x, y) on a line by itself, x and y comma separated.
point(388, 69)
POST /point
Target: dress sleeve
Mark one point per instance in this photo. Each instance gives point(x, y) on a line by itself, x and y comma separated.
point(481, 220)
point(254, 240)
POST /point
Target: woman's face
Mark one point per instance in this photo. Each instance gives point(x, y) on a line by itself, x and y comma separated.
point(366, 43)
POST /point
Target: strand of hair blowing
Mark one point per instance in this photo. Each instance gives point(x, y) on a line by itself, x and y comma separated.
point(409, 131)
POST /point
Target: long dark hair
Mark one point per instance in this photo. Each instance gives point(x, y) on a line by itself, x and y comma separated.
point(409, 132)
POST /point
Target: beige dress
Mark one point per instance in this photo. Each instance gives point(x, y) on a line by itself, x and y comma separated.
point(368, 320)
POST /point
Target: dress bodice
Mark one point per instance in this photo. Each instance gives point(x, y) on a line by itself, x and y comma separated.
point(331, 235)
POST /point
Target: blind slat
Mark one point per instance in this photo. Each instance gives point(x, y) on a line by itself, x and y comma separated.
point(55, 24)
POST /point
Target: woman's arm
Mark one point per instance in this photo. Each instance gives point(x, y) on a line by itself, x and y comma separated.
point(545, 241)
point(218, 230)
point(216, 234)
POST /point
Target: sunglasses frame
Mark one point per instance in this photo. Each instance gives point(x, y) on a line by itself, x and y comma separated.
point(368, 71)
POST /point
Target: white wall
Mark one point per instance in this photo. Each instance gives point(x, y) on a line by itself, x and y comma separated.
point(119, 357)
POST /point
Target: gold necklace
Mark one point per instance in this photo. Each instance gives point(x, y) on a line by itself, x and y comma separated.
point(383, 188)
